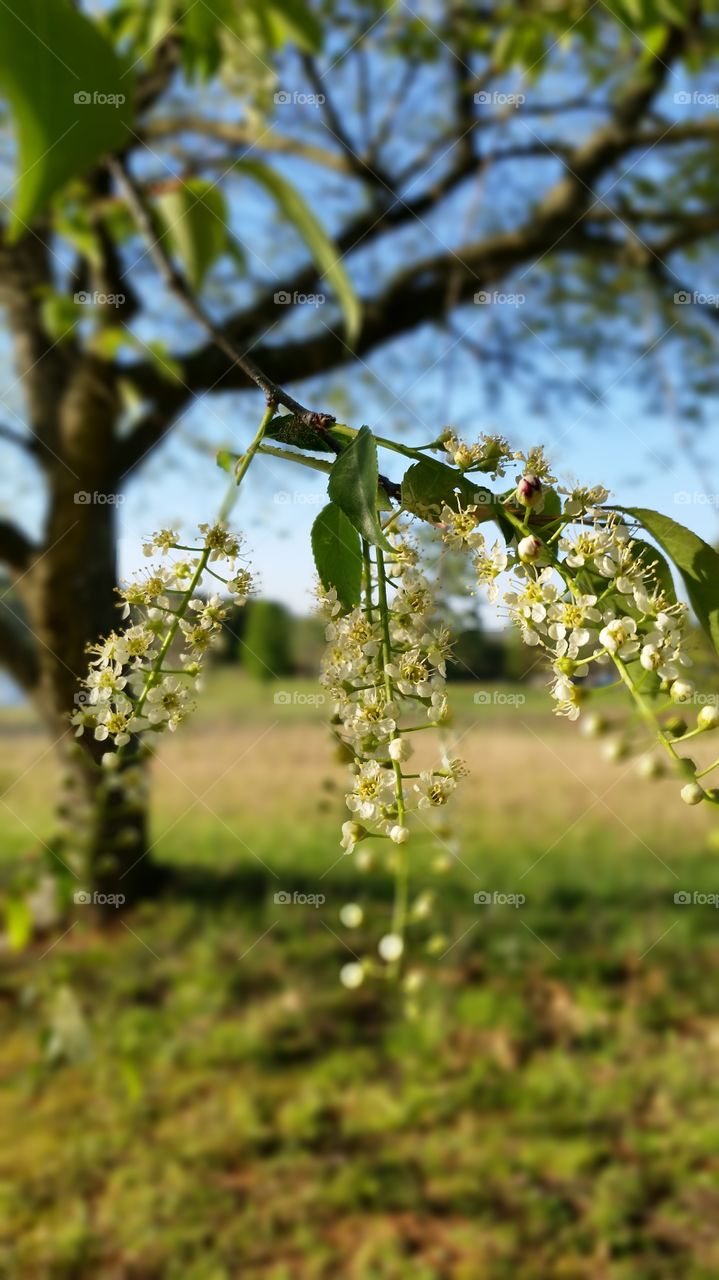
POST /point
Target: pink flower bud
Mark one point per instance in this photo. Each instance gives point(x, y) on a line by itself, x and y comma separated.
point(529, 492)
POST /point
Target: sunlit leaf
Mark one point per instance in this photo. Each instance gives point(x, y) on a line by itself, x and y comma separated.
point(354, 487)
point(338, 555)
point(69, 95)
point(320, 245)
point(697, 562)
point(195, 218)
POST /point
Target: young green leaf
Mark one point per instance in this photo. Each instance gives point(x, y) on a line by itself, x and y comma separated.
point(69, 96)
point(324, 252)
point(338, 554)
point(697, 562)
point(287, 429)
point(353, 486)
point(195, 221)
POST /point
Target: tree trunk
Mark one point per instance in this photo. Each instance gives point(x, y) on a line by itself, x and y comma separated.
point(69, 594)
point(66, 584)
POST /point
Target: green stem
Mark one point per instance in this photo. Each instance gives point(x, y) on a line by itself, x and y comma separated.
point(644, 710)
point(315, 464)
point(184, 604)
point(399, 911)
point(367, 576)
point(703, 772)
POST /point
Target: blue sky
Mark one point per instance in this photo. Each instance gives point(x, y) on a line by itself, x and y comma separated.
point(413, 388)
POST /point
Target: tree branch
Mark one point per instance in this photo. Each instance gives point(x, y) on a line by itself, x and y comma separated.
point(26, 443)
point(179, 286)
point(15, 549)
point(17, 652)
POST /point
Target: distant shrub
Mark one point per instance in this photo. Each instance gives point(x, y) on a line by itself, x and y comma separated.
point(266, 647)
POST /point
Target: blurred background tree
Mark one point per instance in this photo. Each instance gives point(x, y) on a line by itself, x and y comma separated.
point(456, 157)
point(265, 648)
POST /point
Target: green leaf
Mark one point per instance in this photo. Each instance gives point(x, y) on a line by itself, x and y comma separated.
point(697, 562)
point(288, 429)
point(59, 315)
point(324, 252)
point(292, 20)
point(354, 487)
point(429, 484)
point(195, 220)
point(338, 554)
point(225, 460)
point(70, 99)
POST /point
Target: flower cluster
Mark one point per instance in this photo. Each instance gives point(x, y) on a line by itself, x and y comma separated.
point(597, 603)
point(594, 600)
point(143, 677)
point(489, 454)
point(385, 668)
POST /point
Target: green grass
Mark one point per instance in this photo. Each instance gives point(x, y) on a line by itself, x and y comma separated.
point(193, 1096)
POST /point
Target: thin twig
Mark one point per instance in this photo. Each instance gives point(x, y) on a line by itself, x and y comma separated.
point(179, 286)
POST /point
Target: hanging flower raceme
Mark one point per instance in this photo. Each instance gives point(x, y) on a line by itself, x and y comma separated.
point(593, 599)
point(143, 677)
point(385, 669)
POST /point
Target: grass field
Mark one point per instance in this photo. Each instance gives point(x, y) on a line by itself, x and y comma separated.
point(192, 1095)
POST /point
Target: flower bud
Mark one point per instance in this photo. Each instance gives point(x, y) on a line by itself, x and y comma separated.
point(676, 727)
point(413, 980)
point(400, 749)
point(529, 492)
point(352, 833)
point(437, 944)
point(399, 835)
point(649, 767)
point(692, 793)
point(681, 690)
point(615, 749)
point(390, 947)
point(530, 549)
point(708, 718)
point(352, 975)
point(351, 915)
point(594, 725)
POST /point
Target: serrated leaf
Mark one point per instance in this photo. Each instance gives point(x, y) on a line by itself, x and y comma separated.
point(69, 95)
point(338, 554)
point(354, 487)
point(697, 562)
point(324, 252)
point(195, 220)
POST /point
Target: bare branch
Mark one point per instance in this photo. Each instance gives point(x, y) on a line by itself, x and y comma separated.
point(17, 652)
point(20, 441)
point(15, 549)
point(179, 286)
